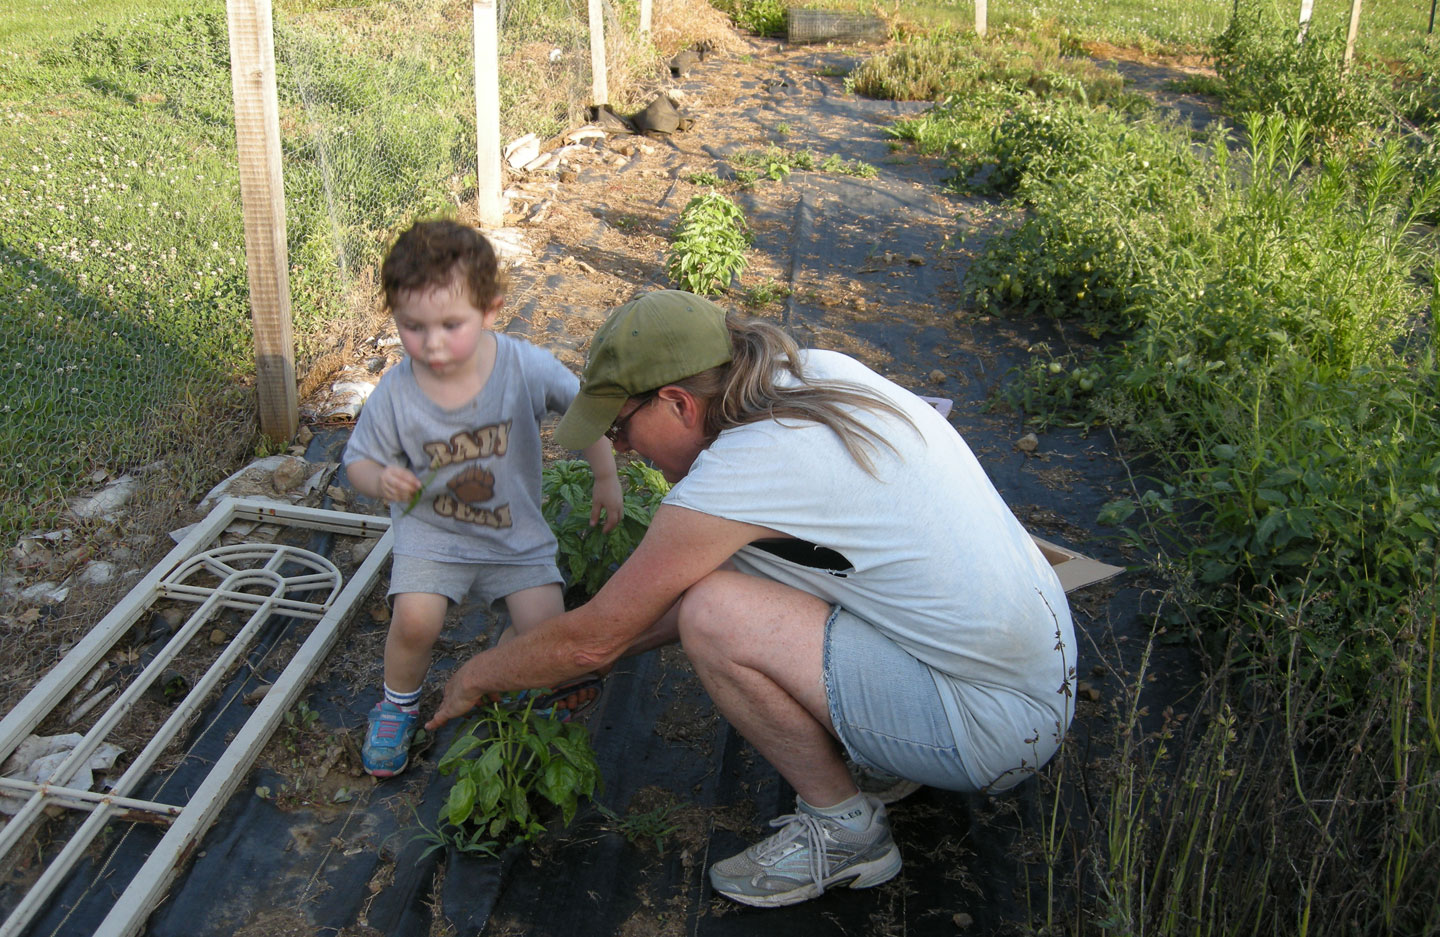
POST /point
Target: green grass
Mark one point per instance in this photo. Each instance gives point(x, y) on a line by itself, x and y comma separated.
point(124, 300)
point(1388, 28)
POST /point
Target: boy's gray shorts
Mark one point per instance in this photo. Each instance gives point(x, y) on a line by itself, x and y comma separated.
point(489, 582)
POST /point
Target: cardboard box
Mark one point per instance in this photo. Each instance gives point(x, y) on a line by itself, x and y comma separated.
point(1075, 570)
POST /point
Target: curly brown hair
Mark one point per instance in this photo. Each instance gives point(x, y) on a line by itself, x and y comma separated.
point(432, 254)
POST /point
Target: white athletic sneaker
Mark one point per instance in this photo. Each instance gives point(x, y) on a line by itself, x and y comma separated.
point(808, 855)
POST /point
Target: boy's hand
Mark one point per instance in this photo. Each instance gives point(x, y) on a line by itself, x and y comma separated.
point(398, 484)
point(606, 496)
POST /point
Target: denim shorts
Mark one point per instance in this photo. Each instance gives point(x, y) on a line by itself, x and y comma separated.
point(885, 708)
point(490, 582)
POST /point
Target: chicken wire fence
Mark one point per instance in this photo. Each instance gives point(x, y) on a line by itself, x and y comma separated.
point(125, 333)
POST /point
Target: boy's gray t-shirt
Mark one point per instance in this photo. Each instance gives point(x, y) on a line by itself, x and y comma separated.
point(480, 462)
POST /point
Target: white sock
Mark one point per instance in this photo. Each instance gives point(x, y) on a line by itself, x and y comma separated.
point(855, 813)
point(409, 702)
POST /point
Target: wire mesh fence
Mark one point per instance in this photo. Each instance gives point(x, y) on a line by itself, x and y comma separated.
point(125, 334)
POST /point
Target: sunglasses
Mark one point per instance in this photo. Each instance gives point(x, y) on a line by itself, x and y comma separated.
point(617, 429)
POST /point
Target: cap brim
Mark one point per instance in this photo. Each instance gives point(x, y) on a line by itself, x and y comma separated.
point(586, 420)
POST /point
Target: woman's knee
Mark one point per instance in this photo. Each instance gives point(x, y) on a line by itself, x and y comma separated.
point(706, 608)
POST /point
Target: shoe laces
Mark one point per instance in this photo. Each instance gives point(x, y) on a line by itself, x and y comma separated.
point(813, 830)
point(389, 725)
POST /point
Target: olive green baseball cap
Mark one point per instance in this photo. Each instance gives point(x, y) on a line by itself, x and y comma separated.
point(658, 339)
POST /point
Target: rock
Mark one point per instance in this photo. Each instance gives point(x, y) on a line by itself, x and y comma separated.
point(96, 573)
point(361, 550)
point(304, 435)
point(1028, 443)
point(937, 376)
point(376, 364)
point(585, 135)
point(108, 500)
point(218, 636)
point(522, 150)
point(962, 919)
point(288, 474)
point(46, 593)
point(683, 62)
point(510, 244)
point(915, 260)
point(181, 533)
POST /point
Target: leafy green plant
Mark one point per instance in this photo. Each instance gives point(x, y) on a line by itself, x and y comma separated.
point(588, 555)
point(762, 294)
point(703, 178)
point(507, 765)
point(848, 167)
point(708, 247)
point(1263, 68)
point(651, 826)
point(775, 162)
point(761, 17)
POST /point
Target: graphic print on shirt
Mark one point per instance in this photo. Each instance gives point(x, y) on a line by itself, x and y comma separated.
point(472, 486)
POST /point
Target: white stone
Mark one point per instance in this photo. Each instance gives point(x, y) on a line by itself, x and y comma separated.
point(96, 573)
point(50, 593)
point(521, 151)
point(108, 500)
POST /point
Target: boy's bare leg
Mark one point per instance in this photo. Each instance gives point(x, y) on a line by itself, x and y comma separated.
point(528, 608)
point(414, 627)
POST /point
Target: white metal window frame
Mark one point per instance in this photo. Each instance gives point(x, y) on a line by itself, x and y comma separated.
point(240, 587)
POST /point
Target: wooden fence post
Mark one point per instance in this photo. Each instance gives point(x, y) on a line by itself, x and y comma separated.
point(262, 193)
point(1354, 31)
point(981, 17)
point(489, 199)
point(598, 82)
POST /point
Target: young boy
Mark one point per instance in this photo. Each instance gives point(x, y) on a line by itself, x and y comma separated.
point(451, 438)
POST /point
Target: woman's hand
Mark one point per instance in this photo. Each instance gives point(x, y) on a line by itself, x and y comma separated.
point(459, 698)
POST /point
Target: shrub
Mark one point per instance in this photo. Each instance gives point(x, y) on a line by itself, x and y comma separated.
point(589, 555)
point(708, 247)
point(1263, 69)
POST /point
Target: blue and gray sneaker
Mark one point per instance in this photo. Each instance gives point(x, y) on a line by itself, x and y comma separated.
point(387, 740)
point(807, 856)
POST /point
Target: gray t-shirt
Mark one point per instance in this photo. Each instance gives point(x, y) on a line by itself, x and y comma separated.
point(480, 463)
point(933, 558)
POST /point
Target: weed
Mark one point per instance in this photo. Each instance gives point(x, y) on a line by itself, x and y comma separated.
point(708, 248)
point(703, 178)
point(848, 167)
point(763, 294)
point(775, 162)
point(782, 128)
point(651, 826)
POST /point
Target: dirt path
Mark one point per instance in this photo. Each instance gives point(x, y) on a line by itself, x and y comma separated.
point(868, 266)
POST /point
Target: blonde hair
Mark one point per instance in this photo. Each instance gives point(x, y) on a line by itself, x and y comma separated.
point(746, 391)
